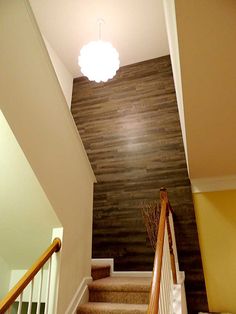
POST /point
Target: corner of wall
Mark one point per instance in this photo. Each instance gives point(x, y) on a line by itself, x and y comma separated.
point(216, 222)
point(5, 274)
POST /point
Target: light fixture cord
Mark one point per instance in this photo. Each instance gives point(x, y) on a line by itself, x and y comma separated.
point(100, 30)
point(100, 22)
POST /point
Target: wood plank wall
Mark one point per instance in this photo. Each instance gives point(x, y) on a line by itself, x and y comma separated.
point(131, 132)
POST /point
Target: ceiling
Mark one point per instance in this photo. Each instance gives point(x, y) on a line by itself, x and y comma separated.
point(136, 28)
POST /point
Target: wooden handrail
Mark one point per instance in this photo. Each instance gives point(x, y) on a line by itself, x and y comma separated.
point(156, 277)
point(12, 295)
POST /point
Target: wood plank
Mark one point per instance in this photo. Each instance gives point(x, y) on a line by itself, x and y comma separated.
point(131, 131)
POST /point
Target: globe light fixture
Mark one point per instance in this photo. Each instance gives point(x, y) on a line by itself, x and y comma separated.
point(99, 60)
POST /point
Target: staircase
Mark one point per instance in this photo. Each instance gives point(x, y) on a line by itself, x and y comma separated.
point(119, 295)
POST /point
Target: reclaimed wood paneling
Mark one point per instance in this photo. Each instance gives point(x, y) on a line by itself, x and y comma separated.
point(131, 132)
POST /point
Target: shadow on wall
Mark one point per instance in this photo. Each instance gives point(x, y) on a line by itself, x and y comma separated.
point(27, 217)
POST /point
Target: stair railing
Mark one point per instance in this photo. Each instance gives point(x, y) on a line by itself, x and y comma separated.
point(28, 280)
point(164, 270)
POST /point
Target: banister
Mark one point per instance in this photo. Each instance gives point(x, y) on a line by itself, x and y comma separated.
point(156, 278)
point(12, 295)
point(165, 208)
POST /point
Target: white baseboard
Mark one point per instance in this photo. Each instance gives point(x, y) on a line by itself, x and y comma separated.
point(110, 261)
point(81, 296)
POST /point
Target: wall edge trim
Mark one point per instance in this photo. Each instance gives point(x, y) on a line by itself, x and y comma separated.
point(212, 184)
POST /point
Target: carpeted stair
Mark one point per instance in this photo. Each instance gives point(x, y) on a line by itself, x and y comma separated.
point(100, 271)
point(117, 295)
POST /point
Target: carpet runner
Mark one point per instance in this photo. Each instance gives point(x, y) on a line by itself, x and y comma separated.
point(116, 295)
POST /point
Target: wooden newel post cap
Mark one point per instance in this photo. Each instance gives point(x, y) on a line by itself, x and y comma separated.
point(163, 189)
point(57, 242)
point(163, 194)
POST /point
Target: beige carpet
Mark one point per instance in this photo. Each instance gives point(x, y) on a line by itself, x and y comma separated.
point(100, 271)
point(112, 308)
point(117, 295)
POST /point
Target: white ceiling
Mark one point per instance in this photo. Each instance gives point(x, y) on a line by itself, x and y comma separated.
point(136, 28)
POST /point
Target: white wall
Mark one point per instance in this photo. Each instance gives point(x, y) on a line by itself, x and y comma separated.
point(5, 273)
point(170, 19)
point(35, 108)
point(65, 78)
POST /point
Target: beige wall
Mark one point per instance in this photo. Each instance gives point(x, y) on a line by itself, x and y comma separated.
point(65, 78)
point(206, 33)
point(216, 221)
point(35, 108)
point(23, 204)
point(5, 273)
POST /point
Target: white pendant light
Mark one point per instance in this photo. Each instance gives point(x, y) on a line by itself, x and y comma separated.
point(99, 60)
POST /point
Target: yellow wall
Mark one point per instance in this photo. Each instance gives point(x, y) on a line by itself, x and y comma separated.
point(216, 220)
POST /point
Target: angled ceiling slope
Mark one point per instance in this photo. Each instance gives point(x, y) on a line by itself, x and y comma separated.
point(206, 39)
point(207, 32)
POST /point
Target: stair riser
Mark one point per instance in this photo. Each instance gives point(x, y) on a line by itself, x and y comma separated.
point(100, 273)
point(119, 297)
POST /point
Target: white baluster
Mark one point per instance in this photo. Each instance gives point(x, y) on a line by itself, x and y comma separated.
point(170, 281)
point(40, 291)
point(168, 274)
point(167, 280)
point(169, 289)
point(48, 287)
point(163, 272)
point(30, 296)
point(20, 304)
point(174, 242)
point(161, 300)
point(163, 288)
point(165, 265)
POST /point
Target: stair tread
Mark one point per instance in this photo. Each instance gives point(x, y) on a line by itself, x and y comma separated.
point(141, 284)
point(113, 307)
